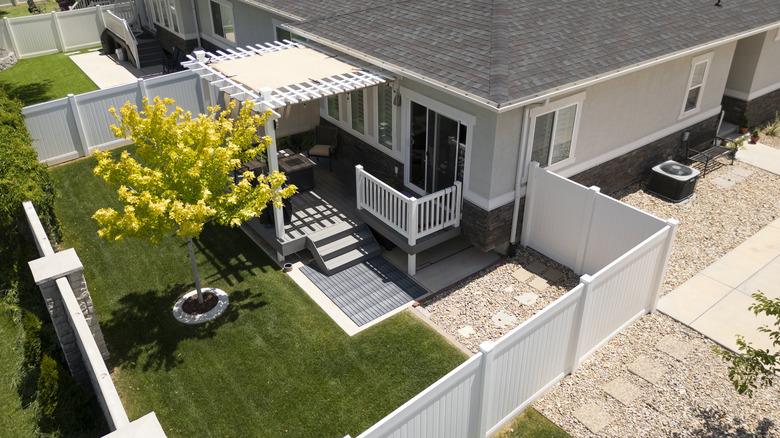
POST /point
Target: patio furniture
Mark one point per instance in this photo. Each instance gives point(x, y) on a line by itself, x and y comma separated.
point(299, 170)
point(173, 63)
point(325, 138)
point(706, 147)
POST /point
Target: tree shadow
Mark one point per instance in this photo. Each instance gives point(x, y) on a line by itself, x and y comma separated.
point(715, 424)
point(142, 332)
point(229, 256)
point(30, 93)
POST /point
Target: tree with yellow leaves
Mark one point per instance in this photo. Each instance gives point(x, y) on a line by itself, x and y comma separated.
point(180, 176)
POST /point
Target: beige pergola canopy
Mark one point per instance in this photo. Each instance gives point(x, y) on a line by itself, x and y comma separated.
point(280, 73)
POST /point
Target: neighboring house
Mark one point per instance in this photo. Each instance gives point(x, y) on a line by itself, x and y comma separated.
point(596, 91)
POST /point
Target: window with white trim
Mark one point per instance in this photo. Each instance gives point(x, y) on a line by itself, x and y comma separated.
point(700, 66)
point(357, 110)
point(384, 103)
point(553, 131)
point(165, 14)
point(222, 20)
point(332, 104)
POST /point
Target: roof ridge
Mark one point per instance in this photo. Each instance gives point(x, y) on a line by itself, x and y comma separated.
point(499, 52)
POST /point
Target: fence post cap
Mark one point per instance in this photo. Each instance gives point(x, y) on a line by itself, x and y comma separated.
point(486, 347)
point(586, 278)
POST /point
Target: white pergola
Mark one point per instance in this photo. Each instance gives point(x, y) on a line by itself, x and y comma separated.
point(277, 74)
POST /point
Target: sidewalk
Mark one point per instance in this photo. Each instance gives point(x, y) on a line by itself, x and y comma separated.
point(715, 301)
point(106, 72)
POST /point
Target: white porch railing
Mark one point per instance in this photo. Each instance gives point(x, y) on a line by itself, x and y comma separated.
point(412, 218)
point(121, 28)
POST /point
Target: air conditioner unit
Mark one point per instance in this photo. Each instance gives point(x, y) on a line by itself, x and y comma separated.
point(673, 181)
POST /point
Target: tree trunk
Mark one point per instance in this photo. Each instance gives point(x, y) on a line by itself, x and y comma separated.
point(195, 269)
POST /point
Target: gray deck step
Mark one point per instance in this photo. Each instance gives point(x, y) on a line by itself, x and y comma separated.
point(342, 246)
point(352, 258)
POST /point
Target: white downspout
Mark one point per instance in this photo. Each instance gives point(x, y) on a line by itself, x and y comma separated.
point(520, 160)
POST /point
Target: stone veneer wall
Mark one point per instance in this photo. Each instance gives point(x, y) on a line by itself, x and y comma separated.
point(168, 40)
point(635, 166)
point(65, 334)
point(488, 230)
point(759, 110)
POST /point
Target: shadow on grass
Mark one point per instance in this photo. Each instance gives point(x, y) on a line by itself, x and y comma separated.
point(143, 332)
point(716, 425)
point(28, 94)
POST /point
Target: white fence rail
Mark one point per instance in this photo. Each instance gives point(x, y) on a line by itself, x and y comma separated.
point(412, 218)
point(54, 32)
point(71, 127)
point(121, 29)
point(481, 396)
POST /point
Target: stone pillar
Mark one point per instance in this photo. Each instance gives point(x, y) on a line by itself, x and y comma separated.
point(46, 270)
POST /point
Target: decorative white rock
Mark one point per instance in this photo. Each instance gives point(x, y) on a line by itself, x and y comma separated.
point(186, 318)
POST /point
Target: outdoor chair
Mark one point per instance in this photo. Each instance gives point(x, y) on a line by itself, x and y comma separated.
point(705, 148)
point(325, 138)
point(173, 64)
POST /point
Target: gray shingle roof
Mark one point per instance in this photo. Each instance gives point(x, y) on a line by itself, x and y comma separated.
point(504, 50)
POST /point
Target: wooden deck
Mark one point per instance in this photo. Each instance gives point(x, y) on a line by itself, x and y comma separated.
point(328, 203)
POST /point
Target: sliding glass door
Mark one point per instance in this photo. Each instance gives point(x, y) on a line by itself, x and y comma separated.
point(436, 151)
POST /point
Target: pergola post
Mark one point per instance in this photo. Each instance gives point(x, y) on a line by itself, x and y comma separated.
point(273, 166)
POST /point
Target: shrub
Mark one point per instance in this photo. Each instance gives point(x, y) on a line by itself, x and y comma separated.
point(47, 390)
point(32, 340)
point(22, 178)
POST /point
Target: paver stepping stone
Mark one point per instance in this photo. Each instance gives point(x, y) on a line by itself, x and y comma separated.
point(537, 267)
point(723, 182)
point(622, 390)
point(466, 331)
point(741, 171)
point(593, 417)
point(647, 369)
point(509, 289)
point(553, 275)
point(539, 284)
point(673, 347)
point(522, 275)
point(527, 298)
point(503, 319)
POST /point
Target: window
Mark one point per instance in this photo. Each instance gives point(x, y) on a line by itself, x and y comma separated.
point(553, 132)
point(284, 34)
point(553, 135)
point(357, 111)
point(333, 106)
point(165, 14)
point(385, 115)
point(695, 90)
point(222, 19)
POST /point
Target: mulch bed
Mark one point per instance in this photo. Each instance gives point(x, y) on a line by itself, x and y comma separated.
point(191, 306)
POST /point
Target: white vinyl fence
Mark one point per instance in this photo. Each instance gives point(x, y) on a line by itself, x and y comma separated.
point(53, 32)
point(71, 127)
point(482, 395)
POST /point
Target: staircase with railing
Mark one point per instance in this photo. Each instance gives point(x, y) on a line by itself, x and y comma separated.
point(420, 223)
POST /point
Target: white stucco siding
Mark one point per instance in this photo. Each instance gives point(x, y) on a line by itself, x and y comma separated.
point(632, 110)
point(768, 67)
point(743, 69)
point(252, 25)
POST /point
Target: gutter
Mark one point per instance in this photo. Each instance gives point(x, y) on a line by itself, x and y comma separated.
point(535, 98)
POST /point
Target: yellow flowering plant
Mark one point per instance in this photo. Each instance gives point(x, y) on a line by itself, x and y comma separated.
point(181, 174)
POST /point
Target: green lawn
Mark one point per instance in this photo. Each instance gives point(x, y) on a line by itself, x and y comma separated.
point(14, 420)
point(272, 365)
point(21, 9)
point(531, 424)
point(44, 78)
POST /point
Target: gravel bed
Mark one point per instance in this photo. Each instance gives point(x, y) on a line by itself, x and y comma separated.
point(715, 220)
point(767, 140)
point(694, 397)
point(475, 302)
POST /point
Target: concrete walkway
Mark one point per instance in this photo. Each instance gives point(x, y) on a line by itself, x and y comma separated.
point(106, 72)
point(715, 301)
